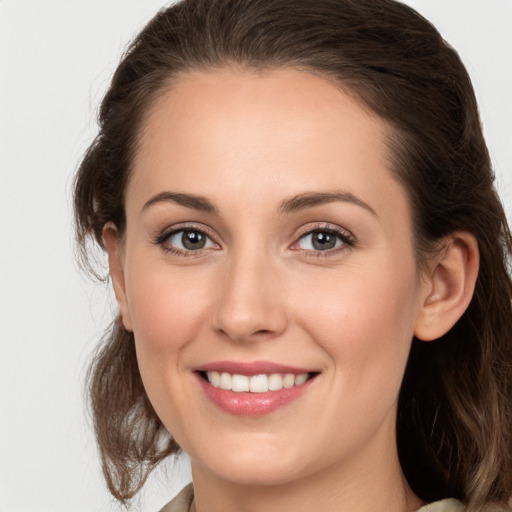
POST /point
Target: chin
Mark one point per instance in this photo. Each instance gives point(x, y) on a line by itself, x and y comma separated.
point(259, 476)
point(255, 467)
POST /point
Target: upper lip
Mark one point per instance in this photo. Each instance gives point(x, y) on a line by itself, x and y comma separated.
point(251, 368)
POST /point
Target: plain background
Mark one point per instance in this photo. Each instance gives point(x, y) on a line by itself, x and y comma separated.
point(56, 58)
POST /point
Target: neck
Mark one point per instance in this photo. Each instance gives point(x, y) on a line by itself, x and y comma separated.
point(357, 486)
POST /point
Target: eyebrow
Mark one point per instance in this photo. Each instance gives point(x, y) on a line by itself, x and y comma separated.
point(290, 205)
point(311, 199)
point(188, 200)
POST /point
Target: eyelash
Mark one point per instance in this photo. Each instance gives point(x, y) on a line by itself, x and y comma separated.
point(344, 236)
point(164, 237)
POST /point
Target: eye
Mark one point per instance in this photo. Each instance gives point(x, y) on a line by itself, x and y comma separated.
point(323, 240)
point(186, 240)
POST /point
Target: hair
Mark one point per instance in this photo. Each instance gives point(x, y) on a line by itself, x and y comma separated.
point(454, 424)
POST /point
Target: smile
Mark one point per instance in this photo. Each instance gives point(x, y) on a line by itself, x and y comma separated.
point(253, 389)
point(261, 383)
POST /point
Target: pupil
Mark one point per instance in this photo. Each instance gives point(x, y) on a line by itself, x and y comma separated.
point(323, 241)
point(193, 240)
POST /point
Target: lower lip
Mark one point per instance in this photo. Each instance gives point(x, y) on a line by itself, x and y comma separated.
point(252, 404)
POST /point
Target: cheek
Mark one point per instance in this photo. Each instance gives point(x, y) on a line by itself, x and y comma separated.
point(166, 308)
point(168, 312)
point(365, 321)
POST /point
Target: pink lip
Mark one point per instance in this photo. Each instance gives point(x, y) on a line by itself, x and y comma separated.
point(251, 404)
point(249, 369)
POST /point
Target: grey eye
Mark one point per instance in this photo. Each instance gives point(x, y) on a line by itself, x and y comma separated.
point(190, 240)
point(320, 241)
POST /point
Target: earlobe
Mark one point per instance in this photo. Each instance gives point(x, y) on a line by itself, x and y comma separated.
point(449, 286)
point(113, 247)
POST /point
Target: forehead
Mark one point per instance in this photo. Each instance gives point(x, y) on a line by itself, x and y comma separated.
point(223, 129)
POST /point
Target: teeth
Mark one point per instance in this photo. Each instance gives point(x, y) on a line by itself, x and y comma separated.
point(214, 378)
point(300, 379)
point(289, 380)
point(225, 381)
point(275, 382)
point(256, 383)
point(259, 384)
point(239, 383)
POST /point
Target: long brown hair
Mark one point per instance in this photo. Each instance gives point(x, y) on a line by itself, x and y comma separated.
point(454, 428)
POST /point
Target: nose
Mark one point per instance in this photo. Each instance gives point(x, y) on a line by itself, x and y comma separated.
point(250, 303)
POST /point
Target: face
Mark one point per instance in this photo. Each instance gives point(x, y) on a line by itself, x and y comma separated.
point(268, 274)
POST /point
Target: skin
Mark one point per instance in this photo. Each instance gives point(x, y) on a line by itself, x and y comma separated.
point(259, 290)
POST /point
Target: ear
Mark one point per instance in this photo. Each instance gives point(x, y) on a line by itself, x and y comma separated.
point(115, 262)
point(449, 285)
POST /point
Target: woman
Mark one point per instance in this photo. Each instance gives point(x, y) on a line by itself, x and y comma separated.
point(310, 262)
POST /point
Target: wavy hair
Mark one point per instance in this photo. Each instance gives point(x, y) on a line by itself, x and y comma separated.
point(454, 425)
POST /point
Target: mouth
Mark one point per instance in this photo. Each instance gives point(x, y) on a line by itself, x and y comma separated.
point(261, 383)
point(253, 389)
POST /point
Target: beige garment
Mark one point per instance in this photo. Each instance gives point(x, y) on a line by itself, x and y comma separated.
point(449, 505)
point(182, 502)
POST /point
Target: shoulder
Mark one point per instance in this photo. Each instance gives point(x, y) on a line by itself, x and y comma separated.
point(448, 505)
point(182, 501)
